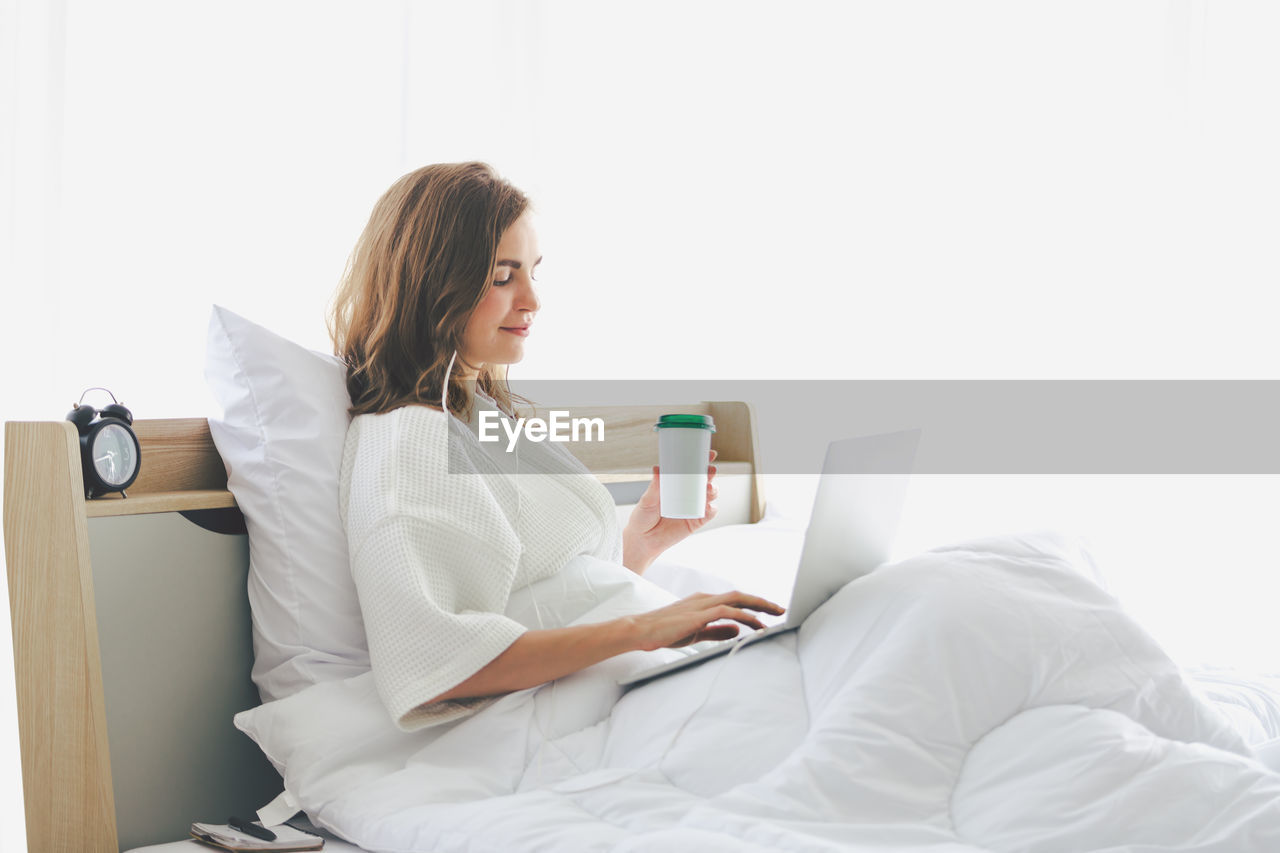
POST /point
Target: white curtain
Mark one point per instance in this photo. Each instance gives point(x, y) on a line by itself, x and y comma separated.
point(726, 189)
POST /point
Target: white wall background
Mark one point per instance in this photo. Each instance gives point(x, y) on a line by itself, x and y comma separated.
point(810, 189)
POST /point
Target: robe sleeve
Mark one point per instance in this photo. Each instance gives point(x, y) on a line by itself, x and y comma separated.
point(433, 559)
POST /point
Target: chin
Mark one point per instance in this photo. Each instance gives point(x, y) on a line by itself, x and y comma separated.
point(512, 358)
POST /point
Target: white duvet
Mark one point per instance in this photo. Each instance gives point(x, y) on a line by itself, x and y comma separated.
point(986, 696)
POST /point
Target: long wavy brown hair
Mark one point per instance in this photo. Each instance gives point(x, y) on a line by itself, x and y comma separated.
point(421, 266)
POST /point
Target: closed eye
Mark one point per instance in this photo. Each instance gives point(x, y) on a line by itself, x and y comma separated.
point(515, 265)
point(503, 281)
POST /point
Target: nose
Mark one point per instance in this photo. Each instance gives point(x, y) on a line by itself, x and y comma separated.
point(529, 297)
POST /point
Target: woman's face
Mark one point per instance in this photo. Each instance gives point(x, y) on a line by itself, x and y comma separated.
point(492, 334)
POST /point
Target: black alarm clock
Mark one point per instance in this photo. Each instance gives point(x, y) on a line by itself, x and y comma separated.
point(110, 456)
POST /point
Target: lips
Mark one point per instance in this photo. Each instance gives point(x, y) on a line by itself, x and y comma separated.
point(522, 331)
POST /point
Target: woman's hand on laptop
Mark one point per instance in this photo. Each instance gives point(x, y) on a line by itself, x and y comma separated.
point(692, 619)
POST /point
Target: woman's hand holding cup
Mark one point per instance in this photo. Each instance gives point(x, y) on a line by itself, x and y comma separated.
point(649, 532)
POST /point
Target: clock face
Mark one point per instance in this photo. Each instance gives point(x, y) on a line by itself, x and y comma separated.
point(114, 455)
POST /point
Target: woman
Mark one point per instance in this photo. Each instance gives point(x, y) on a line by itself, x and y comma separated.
point(920, 707)
point(443, 275)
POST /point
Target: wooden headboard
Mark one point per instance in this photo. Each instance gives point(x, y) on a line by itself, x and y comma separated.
point(131, 624)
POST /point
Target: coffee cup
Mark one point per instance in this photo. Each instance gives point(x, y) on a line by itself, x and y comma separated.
point(684, 454)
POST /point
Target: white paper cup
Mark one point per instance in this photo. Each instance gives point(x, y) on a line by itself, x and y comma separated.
point(684, 453)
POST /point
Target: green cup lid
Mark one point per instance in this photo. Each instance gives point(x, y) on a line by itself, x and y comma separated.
point(685, 422)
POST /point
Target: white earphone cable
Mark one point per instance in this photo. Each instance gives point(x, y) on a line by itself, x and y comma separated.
point(444, 389)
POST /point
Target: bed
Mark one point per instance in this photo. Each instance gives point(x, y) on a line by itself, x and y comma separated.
point(133, 653)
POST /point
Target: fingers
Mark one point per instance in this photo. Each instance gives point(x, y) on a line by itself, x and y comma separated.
point(724, 611)
point(723, 631)
point(706, 616)
point(735, 598)
point(754, 602)
point(721, 613)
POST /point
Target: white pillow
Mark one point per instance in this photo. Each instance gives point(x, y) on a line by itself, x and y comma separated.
point(281, 435)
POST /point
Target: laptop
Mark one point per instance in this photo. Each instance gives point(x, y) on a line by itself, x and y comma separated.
point(851, 530)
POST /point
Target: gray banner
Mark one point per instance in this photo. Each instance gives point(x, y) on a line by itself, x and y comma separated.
point(999, 427)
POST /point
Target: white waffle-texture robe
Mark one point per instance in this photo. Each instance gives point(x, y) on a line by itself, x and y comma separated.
point(441, 529)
